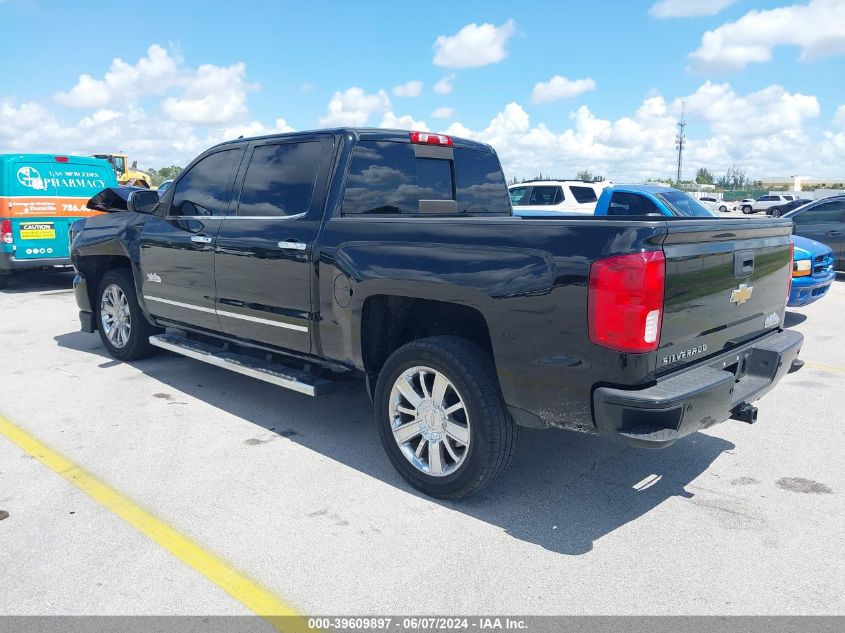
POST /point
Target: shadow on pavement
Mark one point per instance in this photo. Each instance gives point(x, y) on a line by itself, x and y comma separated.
point(791, 319)
point(39, 281)
point(564, 491)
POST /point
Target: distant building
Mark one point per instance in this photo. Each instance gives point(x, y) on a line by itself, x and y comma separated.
point(797, 183)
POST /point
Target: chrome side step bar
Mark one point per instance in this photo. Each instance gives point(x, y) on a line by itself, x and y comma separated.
point(275, 373)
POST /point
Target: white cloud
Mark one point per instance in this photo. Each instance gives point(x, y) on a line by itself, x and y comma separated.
point(125, 82)
point(209, 94)
point(153, 142)
point(411, 88)
point(255, 128)
point(443, 113)
point(768, 111)
point(214, 95)
point(444, 86)
point(816, 28)
point(687, 8)
point(406, 122)
point(765, 132)
point(306, 87)
point(354, 107)
point(561, 88)
point(839, 117)
point(474, 45)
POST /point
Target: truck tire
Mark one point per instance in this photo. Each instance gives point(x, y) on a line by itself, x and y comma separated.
point(123, 328)
point(4, 280)
point(441, 417)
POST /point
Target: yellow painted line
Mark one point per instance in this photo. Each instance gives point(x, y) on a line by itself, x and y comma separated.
point(832, 369)
point(247, 592)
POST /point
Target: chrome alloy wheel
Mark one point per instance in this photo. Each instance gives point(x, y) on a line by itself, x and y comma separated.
point(114, 315)
point(429, 421)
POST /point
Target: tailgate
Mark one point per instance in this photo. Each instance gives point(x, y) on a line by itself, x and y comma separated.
point(726, 283)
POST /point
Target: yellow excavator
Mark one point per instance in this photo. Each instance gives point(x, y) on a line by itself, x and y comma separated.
point(127, 176)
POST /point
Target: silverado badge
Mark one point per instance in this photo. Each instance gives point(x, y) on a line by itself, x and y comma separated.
point(741, 294)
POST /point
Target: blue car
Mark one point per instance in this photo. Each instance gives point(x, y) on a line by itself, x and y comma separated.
point(812, 271)
point(813, 263)
point(649, 200)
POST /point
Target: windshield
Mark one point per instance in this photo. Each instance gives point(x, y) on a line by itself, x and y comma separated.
point(682, 204)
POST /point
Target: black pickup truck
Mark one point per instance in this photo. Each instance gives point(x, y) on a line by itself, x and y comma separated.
point(394, 256)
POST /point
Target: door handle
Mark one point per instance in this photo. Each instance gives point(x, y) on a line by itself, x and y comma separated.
point(201, 239)
point(291, 245)
point(833, 232)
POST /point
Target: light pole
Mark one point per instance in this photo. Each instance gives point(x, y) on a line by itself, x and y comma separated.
point(680, 140)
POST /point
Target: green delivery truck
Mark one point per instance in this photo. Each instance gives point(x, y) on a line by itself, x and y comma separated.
point(41, 195)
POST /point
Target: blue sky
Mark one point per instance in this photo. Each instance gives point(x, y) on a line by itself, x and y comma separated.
point(760, 94)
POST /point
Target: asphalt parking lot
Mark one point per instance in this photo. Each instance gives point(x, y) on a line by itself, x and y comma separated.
point(296, 494)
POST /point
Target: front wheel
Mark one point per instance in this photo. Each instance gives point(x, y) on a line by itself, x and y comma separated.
point(746, 210)
point(775, 213)
point(723, 209)
point(123, 328)
point(441, 417)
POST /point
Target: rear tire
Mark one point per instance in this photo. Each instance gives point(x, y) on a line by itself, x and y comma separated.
point(723, 209)
point(4, 280)
point(449, 442)
point(123, 328)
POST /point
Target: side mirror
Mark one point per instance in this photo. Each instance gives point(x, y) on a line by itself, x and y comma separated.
point(142, 201)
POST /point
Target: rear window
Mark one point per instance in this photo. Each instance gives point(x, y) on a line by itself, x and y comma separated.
point(682, 204)
point(481, 186)
point(387, 177)
point(434, 176)
point(583, 195)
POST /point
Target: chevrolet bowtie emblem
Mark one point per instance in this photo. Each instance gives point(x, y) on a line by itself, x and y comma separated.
point(741, 294)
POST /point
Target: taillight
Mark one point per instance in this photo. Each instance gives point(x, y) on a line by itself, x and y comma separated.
point(6, 231)
point(625, 305)
point(424, 138)
point(60, 159)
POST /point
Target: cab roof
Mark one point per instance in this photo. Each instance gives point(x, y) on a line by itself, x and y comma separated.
point(645, 188)
point(366, 134)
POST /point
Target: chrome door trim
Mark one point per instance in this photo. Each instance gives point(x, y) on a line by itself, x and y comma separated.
point(231, 315)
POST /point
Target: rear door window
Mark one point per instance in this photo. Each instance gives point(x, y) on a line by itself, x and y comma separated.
point(280, 179)
point(206, 187)
point(543, 196)
point(583, 195)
